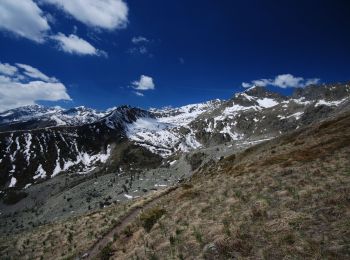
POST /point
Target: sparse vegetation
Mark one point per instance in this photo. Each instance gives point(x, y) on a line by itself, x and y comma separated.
point(106, 252)
point(195, 160)
point(150, 217)
point(254, 205)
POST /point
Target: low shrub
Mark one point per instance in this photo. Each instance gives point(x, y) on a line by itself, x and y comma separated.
point(106, 252)
point(150, 217)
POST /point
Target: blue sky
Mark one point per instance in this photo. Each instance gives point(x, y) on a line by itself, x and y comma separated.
point(156, 53)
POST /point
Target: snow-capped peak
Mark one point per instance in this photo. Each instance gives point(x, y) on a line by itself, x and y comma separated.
point(53, 116)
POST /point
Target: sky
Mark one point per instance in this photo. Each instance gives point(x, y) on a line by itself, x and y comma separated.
point(155, 53)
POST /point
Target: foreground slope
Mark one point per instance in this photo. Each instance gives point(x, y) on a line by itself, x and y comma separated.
point(288, 197)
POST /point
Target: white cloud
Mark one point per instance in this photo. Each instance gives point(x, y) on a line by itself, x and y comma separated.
point(246, 85)
point(75, 45)
point(19, 88)
point(104, 14)
point(145, 83)
point(7, 69)
point(24, 19)
point(35, 73)
point(282, 81)
point(261, 82)
point(137, 93)
point(139, 39)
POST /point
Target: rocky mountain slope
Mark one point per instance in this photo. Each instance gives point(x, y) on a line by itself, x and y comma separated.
point(286, 198)
point(37, 143)
point(29, 156)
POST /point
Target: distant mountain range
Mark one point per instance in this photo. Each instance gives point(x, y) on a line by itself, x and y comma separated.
point(37, 142)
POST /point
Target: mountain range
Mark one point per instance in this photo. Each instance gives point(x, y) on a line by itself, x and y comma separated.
point(38, 142)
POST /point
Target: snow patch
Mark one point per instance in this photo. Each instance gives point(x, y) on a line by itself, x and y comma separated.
point(173, 162)
point(27, 186)
point(83, 158)
point(160, 185)
point(128, 196)
point(267, 102)
point(160, 137)
point(40, 173)
point(28, 140)
point(330, 103)
point(13, 182)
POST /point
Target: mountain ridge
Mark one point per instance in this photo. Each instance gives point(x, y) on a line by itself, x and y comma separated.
point(89, 140)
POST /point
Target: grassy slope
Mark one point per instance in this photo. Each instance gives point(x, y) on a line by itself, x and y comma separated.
point(286, 197)
point(70, 238)
point(289, 197)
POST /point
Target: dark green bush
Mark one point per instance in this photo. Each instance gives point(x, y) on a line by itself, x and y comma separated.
point(150, 217)
point(106, 252)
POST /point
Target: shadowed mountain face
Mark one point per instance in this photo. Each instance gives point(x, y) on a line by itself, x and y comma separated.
point(31, 156)
point(37, 143)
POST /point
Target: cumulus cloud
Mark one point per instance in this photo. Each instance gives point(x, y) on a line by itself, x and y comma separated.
point(75, 45)
point(145, 83)
point(26, 85)
point(282, 81)
point(24, 19)
point(104, 14)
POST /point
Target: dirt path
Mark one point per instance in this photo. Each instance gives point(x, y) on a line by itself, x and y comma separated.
point(122, 224)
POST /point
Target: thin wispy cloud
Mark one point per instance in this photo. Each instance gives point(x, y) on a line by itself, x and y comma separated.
point(34, 73)
point(282, 81)
point(137, 93)
point(139, 39)
point(74, 45)
point(138, 50)
point(140, 45)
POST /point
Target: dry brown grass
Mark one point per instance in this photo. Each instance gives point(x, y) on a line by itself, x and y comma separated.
point(293, 203)
point(62, 240)
point(69, 238)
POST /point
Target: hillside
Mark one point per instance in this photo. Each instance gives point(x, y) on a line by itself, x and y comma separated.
point(283, 198)
point(286, 198)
